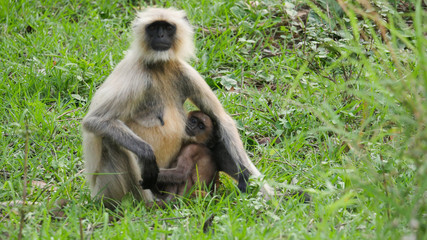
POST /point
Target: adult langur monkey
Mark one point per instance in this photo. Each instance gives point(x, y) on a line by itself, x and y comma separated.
point(136, 121)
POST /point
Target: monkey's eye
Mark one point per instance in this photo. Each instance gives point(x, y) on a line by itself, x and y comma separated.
point(193, 120)
point(201, 126)
point(150, 27)
point(169, 28)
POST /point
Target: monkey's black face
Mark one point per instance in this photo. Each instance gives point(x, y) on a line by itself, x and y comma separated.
point(161, 35)
point(194, 126)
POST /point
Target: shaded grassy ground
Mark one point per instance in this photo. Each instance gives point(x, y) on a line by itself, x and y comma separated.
point(329, 99)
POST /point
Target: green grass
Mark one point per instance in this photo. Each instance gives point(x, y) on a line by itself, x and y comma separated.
point(326, 105)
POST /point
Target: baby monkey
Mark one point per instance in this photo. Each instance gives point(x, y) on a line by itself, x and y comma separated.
point(194, 164)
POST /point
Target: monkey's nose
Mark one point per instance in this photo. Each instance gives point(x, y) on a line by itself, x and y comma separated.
point(161, 33)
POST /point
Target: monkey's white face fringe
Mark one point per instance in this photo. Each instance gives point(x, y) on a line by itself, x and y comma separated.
point(183, 46)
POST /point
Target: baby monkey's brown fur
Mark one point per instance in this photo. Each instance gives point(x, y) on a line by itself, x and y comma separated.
point(194, 164)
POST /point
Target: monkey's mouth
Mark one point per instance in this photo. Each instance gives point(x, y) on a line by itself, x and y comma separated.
point(161, 47)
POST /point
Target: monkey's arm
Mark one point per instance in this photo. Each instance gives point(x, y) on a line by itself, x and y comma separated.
point(229, 152)
point(185, 164)
point(172, 175)
point(118, 132)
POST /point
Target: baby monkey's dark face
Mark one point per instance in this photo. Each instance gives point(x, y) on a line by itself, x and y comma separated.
point(199, 125)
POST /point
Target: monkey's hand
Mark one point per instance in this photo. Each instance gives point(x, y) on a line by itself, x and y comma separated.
point(150, 170)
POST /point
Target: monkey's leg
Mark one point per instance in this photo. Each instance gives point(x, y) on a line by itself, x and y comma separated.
point(226, 164)
point(117, 175)
point(120, 134)
point(205, 169)
point(238, 170)
point(185, 187)
point(171, 191)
